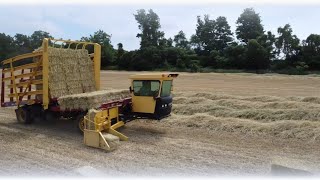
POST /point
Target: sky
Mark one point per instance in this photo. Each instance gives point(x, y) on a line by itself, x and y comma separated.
point(73, 21)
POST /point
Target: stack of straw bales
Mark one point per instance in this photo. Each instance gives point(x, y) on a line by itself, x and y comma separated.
point(71, 80)
point(70, 72)
point(90, 100)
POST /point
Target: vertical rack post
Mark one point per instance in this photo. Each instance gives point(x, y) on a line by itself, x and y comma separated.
point(45, 74)
point(2, 89)
point(97, 61)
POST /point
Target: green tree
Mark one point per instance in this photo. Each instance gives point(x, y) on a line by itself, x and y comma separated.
point(287, 44)
point(174, 56)
point(37, 37)
point(6, 46)
point(268, 42)
point(249, 25)
point(311, 51)
point(236, 56)
point(205, 35)
point(223, 33)
point(257, 56)
point(120, 52)
point(164, 43)
point(181, 41)
point(196, 44)
point(127, 59)
point(149, 24)
point(107, 51)
point(147, 58)
point(211, 35)
point(22, 43)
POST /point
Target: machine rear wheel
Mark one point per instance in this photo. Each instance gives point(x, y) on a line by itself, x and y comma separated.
point(24, 115)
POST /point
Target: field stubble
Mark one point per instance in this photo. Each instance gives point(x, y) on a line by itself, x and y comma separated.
point(221, 124)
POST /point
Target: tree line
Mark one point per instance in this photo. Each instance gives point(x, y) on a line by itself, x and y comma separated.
point(212, 46)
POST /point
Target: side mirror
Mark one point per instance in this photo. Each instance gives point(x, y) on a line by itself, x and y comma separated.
point(130, 89)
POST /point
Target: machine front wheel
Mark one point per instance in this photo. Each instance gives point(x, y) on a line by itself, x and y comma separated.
point(24, 115)
point(79, 120)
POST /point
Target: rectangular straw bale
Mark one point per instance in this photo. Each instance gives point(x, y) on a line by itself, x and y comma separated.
point(90, 100)
point(70, 72)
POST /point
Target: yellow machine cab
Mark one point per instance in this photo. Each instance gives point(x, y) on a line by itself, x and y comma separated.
point(151, 94)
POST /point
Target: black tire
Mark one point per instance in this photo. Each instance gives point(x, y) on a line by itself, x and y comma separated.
point(79, 122)
point(23, 115)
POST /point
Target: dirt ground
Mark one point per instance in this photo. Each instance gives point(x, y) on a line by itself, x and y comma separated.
point(215, 129)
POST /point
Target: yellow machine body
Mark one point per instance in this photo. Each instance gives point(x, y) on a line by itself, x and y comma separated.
point(147, 103)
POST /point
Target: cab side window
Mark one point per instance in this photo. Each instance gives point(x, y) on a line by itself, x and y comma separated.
point(136, 87)
point(166, 88)
point(146, 88)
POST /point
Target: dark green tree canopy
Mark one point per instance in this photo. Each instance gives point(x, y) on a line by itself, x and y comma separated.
point(311, 51)
point(149, 24)
point(181, 41)
point(249, 25)
point(165, 43)
point(22, 40)
point(6, 46)
point(257, 56)
point(211, 34)
point(205, 34)
point(223, 33)
point(37, 37)
point(119, 52)
point(313, 42)
point(100, 37)
point(268, 42)
point(107, 51)
point(287, 43)
point(22, 43)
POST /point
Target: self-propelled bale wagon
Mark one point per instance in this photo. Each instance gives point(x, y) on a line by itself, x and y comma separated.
point(62, 78)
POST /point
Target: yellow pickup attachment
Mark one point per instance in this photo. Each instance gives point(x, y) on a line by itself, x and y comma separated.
point(100, 129)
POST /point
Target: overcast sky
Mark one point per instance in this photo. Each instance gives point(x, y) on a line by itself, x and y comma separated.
point(75, 21)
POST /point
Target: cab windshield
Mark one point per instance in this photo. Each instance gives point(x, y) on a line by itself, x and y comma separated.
point(146, 87)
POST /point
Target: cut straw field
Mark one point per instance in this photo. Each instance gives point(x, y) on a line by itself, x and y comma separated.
point(222, 124)
point(279, 106)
